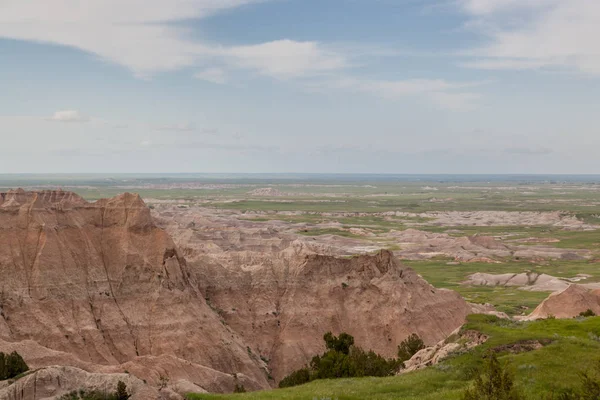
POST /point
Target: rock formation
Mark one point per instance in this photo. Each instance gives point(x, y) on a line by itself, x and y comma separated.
point(568, 303)
point(98, 285)
point(281, 294)
point(99, 289)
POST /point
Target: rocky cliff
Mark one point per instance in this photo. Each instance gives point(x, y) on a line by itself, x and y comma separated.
point(102, 289)
point(98, 286)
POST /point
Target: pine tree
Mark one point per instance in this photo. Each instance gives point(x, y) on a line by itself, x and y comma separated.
point(495, 382)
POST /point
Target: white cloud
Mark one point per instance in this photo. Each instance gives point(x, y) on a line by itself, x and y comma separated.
point(69, 116)
point(536, 34)
point(143, 36)
point(213, 75)
point(287, 58)
point(482, 7)
point(137, 34)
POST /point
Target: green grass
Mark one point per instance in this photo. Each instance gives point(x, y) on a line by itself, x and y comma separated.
point(538, 373)
point(328, 231)
point(511, 300)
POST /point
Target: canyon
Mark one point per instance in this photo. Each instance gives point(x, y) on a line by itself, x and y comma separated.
point(111, 287)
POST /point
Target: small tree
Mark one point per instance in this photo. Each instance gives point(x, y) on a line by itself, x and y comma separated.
point(122, 391)
point(239, 389)
point(296, 378)
point(163, 381)
point(494, 382)
point(11, 365)
point(342, 360)
point(409, 347)
point(587, 313)
point(341, 343)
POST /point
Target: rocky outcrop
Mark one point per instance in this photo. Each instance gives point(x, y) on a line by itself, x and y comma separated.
point(530, 281)
point(55, 381)
point(568, 303)
point(98, 285)
point(459, 341)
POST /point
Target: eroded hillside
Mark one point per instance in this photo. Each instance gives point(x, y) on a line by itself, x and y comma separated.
point(100, 287)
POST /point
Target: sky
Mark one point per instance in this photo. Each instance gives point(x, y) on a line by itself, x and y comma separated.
point(307, 86)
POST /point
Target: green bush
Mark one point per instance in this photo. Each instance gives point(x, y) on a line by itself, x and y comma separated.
point(239, 389)
point(409, 347)
point(494, 382)
point(587, 313)
point(11, 365)
point(342, 360)
point(119, 394)
point(340, 344)
point(296, 378)
point(589, 388)
point(371, 364)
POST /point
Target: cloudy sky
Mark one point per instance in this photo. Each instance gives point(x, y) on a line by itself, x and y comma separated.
point(389, 86)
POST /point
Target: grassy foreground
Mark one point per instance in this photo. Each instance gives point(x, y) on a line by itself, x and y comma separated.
point(571, 346)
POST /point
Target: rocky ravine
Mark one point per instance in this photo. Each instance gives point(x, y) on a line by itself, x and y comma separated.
point(98, 287)
point(281, 294)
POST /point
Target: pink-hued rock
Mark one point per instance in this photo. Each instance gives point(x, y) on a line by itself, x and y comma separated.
point(98, 284)
point(568, 303)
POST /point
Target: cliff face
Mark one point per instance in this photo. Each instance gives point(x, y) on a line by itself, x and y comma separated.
point(101, 283)
point(283, 295)
point(284, 312)
point(101, 288)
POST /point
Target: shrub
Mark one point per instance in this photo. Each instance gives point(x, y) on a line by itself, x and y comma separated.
point(589, 386)
point(11, 365)
point(409, 347)
point(340, 344)
point(371, 364)
point(122, 391)
point(296, 378)
point(494, 382)
point(342, 360)
point(239, 389)
point(119, 394)
point(163, 382)
point(333, 364)
point(587, 313)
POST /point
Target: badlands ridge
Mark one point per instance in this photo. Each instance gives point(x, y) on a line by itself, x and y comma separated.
point(92, 293)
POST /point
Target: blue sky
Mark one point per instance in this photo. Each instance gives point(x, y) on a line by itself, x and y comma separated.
point(384, 86)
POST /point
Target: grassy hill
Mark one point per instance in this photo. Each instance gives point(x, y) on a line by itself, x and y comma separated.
point(569, 346)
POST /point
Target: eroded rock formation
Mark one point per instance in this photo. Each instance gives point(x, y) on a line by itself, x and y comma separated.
point(98, 287)
point(102, 285)
point(281, 294)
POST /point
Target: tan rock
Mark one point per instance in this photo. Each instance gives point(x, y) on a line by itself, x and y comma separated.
point(568, 303)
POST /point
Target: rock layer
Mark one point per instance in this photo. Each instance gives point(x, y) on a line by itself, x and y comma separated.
point(99, 287)
point(102, 284)
point(281, 294)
